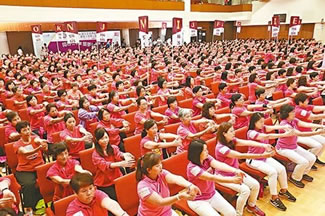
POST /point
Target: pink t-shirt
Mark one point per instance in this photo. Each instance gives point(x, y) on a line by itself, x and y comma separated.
point(289, 92)
point(241, 121)
point(288, 142)
point(303, 113)
point(36, 120)
point(145, 150)
point(146, 187)
point(169, 113)
point(138, 118)
point(252, 135)
point(52, 128)
point(193, 174)
point(183, 131)
point(111, 108)
point(225, 99)
point(9, 129)
point(162, 92)
point(93, 209)
point(74, 147)
point(251, 90)
point(221, 153)
point(196, 100)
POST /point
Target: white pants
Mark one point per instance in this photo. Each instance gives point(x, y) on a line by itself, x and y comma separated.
point(212, 206)
point(174, 213)
point(316, 144)
point(303, 158)
point(274, 170)
point(248, 189)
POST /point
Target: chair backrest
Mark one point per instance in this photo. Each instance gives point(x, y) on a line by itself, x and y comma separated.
point(172, 128)
point(277, 95)
point(211, 144)
point(46, 186)
point(61, 205)
point(12, 159)
point(14, 187)
point(211, 96)
point(160, 109)
point(75, 113)
point(215, 88)
point(130, 118)
point(23, 114)
point(126, 193)
point(2, 135)
point(241, 134)
point(188, 103)
point(245, 91)
point(223, 110)
point(318, 101)
point(87, 161)
point(93, 127)
point(177, 165)
point(132, 145)
point(56, 137)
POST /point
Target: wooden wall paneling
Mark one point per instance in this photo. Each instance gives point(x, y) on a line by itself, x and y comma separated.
point(134, 36)
point(220, 8)
point(208, 26)
point(23, 39)
point(82, 26)
point(229, 30)
point(103, 4)
point(260, 31)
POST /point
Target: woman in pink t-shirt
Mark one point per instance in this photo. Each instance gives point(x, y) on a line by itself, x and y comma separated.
point(153, 188)
point(243, 111)
point(272, 168)
point(76, 137)
point(164, 92)
point(187, 130)
point(36, 113)
point(172, 111)
point(200, 172)
point(199, 100)
point(287, 146)
point(225, 152)
point(252, 86)
point(152, 139)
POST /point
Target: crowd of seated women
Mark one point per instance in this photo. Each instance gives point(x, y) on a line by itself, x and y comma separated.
point(55, 107)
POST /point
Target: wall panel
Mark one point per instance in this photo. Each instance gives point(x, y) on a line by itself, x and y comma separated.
point(23, 39)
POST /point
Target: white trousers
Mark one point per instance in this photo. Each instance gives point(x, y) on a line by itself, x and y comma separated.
point(212, 206)
point(274, 170)
point(174, 213)
point(248, 190)
point(303, 158)
point(316, 144)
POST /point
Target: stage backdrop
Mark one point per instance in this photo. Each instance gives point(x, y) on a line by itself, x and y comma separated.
point(87, 40)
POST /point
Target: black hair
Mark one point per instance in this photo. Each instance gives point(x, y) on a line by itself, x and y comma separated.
point(22, 124)
point(194, 151)
point(285, 110)
point(254, 118)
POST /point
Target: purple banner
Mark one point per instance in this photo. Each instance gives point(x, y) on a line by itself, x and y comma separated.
point(64, 46)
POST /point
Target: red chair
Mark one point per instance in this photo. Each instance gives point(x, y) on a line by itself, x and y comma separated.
point(15, 188)
point(180, 169)
point(93, 127)
point(12, 159)
point(86, 160)
point(223, 110)
point(10, 104)
point(277, 95)
point(75, 113)
point(215, 88)
point(46, 186)
point(23, 114)
point(245, 91)
point(61, 205)
point(172, 128)
point(130, 118)
point(318, 101)
point(211, 144)
point(56, 137)
point(211, 96)
point(2, 135)
point(188, 103)
point(126, 193)
point(132, 145)
point(208, 82)
point(161, 109)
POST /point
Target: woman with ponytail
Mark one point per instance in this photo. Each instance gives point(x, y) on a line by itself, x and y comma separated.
point(108, 160)
point(153, 189)
point(152, 139)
